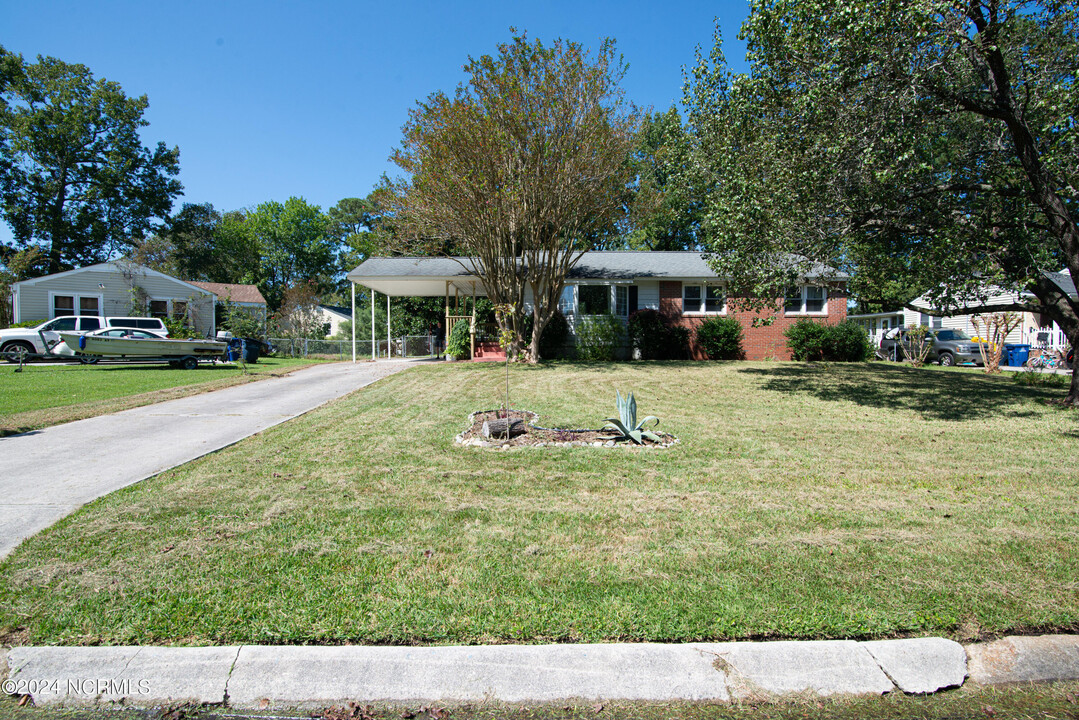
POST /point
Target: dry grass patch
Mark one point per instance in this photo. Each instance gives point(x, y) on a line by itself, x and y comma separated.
point(803, 501)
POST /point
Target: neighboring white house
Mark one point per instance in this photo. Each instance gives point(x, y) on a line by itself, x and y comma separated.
point(111, 289)
point(332, 316)
point(1035, 329)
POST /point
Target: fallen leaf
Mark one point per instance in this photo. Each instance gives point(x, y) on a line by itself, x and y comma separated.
point(988, 710)
point(598, 708)
point(264, 703)
point(24, 700)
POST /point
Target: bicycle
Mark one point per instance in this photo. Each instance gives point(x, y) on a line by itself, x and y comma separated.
point(1046, 362)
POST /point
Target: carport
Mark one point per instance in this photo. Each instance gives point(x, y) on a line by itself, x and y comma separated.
point(419, 277)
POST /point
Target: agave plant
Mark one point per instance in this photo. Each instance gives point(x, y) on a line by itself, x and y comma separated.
point(626, 422)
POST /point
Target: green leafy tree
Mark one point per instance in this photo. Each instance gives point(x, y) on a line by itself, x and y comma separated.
point(292, 244)
point(665, 208)
point(934, 138)
point(75, 178)
point(524, 168)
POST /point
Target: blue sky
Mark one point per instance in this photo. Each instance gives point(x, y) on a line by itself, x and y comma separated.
point(267, 100)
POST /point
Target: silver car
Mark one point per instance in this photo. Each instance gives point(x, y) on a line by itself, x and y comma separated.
point(946, 346)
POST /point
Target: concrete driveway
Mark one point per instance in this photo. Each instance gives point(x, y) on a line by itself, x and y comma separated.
point(49, 473)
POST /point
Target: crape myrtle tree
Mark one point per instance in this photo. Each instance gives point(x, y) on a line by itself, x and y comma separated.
point(75, 178)
point(929, 139)
point(523, 168)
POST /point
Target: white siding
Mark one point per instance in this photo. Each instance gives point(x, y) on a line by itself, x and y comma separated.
point(116, 295)
point(648, 295)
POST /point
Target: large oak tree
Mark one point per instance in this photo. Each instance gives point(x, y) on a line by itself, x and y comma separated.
point(75, 178)
point(523, 168)
point(928, 140)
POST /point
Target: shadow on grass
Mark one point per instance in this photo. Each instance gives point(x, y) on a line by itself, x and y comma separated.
point(932, 393)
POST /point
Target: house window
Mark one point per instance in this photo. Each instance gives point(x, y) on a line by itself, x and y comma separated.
point(805, 300)
point(565, 303)
point(159, 308)
point(89, 306)
point(703, 299)
point(179, 309)
point(63, 305)
point(74, 304)
point(594, 299)
point(621, 300)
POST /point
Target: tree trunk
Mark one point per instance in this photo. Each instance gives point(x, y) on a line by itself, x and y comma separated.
point(503, 428)
point(1072, 398)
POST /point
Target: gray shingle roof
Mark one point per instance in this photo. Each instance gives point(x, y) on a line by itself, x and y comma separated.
point(615, 265)
point(1064, 281)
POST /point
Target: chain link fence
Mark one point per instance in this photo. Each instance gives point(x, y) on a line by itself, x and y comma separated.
point(405, 346)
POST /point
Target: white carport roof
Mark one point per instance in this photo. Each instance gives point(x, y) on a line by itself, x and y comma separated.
point(418, 276)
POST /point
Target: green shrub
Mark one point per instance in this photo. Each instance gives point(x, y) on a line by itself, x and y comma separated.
point(460, 344)
point(805, 339)
point(553, 338)
point(178, 329)
point(599, 337)
point(652, 339)
point(721, 338)
point(812, 340)
point(847, 342)
point(27, 324)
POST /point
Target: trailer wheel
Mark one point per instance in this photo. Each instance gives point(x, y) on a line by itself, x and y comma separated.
point(189, 363)
point(87, 360)
point(18, 350)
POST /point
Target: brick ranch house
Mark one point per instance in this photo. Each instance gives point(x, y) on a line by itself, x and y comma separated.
point(680, 285)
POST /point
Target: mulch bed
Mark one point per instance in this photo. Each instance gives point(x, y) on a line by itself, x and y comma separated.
point(536, 436)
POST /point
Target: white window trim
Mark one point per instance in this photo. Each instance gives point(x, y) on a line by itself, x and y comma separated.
point(803, 311)
point(701, 311)
point(78, 299)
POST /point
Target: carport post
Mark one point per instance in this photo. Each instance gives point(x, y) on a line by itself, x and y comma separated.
point(373, 340)
point(388, 341)
point(353, 286)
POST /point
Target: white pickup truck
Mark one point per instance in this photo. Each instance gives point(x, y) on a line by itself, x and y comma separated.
point(41, 340)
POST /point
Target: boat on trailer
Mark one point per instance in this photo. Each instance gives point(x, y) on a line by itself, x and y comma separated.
point(129, 344)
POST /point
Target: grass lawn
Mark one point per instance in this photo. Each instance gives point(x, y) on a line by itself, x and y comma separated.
point(804, 501)
point(46, 394)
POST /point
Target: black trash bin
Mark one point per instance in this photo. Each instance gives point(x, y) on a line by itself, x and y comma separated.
point(252, 347)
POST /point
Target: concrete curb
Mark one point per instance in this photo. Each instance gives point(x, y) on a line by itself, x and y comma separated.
point(260, 677)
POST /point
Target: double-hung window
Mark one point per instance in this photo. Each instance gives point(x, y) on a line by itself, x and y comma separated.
point(701, 299)
point(805, 300)
point(621, 300)
point(75, 304)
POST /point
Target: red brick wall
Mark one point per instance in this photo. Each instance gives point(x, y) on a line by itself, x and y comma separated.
point(760, 343)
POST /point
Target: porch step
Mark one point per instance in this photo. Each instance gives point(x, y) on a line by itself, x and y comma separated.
point(489, 351)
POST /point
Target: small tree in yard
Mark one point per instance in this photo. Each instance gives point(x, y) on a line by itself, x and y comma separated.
point(916, 344)
point(298, 315)
point(997, 327)
point(523, 168)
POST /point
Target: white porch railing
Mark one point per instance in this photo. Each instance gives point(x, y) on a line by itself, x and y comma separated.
point(1052, 338)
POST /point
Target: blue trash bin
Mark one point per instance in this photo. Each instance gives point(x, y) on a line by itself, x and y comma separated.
point(1019, 355)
